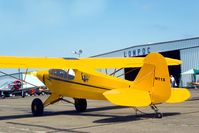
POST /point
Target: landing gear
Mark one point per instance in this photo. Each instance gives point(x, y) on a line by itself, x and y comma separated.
point(23, 94)
point(37, 107)
point(157, 114)
point(3, 96)
point(80, 105)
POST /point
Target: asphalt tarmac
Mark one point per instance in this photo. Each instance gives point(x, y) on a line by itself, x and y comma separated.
point(100, 117)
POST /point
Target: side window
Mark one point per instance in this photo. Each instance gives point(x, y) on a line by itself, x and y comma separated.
point(68, 74)
point(71, 74)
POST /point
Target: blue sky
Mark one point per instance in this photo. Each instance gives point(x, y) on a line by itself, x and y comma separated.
point(55, 28)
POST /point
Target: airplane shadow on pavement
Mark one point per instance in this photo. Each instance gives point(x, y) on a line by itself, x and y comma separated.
point(103, 119)
point(130, 118)
point(98, 123)
point(52, 129)
point(89, 112)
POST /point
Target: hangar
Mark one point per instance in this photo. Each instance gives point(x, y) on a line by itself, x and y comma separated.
point(186, 50)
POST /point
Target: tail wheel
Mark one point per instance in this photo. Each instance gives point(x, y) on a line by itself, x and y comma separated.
point(158, 115)
point(37, 107)
point(80, 105)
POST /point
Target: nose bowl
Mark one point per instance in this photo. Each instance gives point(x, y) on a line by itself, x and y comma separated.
point(40, 75)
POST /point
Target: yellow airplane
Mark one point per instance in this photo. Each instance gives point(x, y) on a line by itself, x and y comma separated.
point(78, 79)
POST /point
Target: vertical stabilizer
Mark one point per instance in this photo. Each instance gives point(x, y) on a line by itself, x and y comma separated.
point(154, 78)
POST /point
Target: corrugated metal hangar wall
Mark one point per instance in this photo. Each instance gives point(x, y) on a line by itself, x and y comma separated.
point(186, 49)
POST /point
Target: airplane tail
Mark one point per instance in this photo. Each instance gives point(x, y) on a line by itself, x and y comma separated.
point(151, 86)
point(154, 78)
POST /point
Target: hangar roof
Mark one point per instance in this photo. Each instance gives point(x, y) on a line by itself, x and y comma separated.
point(153, 47)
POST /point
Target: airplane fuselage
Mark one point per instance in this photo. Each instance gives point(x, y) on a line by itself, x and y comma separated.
point(80, 84)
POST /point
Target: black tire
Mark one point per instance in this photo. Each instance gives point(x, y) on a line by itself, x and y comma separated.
point(37, 107)
point(80, 105)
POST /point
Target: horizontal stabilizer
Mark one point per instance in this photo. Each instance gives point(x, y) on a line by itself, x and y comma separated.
point(128, 97)
point(178, 95)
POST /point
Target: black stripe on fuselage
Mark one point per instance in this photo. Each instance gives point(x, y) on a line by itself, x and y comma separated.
point(72, 82)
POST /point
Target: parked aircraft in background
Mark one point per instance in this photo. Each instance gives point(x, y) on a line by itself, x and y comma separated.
point(26, 85)
point(10, 87)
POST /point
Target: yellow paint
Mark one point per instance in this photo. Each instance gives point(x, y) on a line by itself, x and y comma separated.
point(96, 85)
point(128, 97)
point(151, 86)
point(178, 95)
point(61, 63)
point(158, 80)
point(51, 99)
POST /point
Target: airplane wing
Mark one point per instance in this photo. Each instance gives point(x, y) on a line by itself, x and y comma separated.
point(63, 63)
point(37, 62)
point(121, 62)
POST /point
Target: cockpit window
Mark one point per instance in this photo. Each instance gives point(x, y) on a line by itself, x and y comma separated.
point(67, 74)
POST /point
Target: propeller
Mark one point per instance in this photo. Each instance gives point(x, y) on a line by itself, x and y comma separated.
point(17, 84)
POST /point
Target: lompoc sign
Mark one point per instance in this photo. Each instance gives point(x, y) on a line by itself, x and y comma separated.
point(137, 52)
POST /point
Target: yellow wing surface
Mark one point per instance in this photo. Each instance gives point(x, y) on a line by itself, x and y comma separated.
point(128, 97)
point(178, 95)
point(63, 63)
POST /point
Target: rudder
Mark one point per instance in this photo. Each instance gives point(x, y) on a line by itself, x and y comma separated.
point(154, 78)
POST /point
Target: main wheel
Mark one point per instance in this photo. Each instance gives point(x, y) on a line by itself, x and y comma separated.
point(37, 107)
point(80, 105)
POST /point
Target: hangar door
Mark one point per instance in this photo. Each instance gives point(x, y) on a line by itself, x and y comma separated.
point(131, 73)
